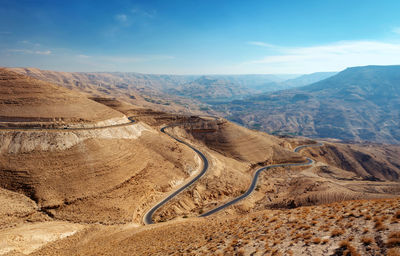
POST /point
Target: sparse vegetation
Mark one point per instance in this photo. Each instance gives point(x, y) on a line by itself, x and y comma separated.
point(367, 240)
point(316, 240)
point(274, 232)
point(346, 248)
point(337, 232)
point(393, 239)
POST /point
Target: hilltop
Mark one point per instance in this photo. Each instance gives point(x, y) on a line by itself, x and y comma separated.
point(27, 100)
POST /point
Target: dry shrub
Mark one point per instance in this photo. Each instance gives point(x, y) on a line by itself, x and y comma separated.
point(367, 240)
point(337, 232)
point(273, 219)
point(347, 249)
point(396, 217)
point(393, 252)
point(393, 239)
point(316, 240)
point(241, 252)
point(325, 241)
point(276, 252)
point(277, 226)
point(307, 236)
point(297, 236)
point(324, 228)
point(349, 225)
point(379, 226)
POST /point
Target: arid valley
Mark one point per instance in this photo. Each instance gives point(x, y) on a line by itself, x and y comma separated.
point(278, 161)
point(91, 169)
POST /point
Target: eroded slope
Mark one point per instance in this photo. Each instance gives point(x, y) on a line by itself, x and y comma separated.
point(25, 100)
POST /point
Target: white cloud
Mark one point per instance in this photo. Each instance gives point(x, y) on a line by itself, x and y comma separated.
point(83, 56)
point(27, 51)
point(397, 30)
point(334, 56)
point(149, 14)
point(117, 63)
point(121, 18)
point(48, 52)
point(262, 44)
point(28, 43)
point(133, 59)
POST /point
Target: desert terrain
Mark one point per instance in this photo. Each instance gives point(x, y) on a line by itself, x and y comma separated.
point(78, 173)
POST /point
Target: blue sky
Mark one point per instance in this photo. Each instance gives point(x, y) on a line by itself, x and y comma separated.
point(199, 36)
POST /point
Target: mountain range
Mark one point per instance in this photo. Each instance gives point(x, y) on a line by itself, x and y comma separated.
point(172, 93)
point(357, 104)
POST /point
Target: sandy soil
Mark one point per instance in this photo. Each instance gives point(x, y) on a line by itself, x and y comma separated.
point(360, 227)
point(27, 238)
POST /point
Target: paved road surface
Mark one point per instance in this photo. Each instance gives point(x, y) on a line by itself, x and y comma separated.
point(255, 178)
point(147, 219)
point(148, 216)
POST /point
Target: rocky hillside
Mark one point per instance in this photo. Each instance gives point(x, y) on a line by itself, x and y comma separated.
point(346, 228)
point(139, 89)
point(358, 104)
point(26, 101)
point(86, 174)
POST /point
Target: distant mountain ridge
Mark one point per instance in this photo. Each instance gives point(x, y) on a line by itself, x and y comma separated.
point(172, 93)
point(359, 103)
point(209, 88)
point(307, 79)
point(219, 88)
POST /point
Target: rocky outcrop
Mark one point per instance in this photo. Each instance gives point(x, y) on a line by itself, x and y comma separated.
point(26, 141)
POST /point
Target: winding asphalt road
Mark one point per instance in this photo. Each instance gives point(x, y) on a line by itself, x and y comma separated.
point(148, 217)
point(255, 178)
